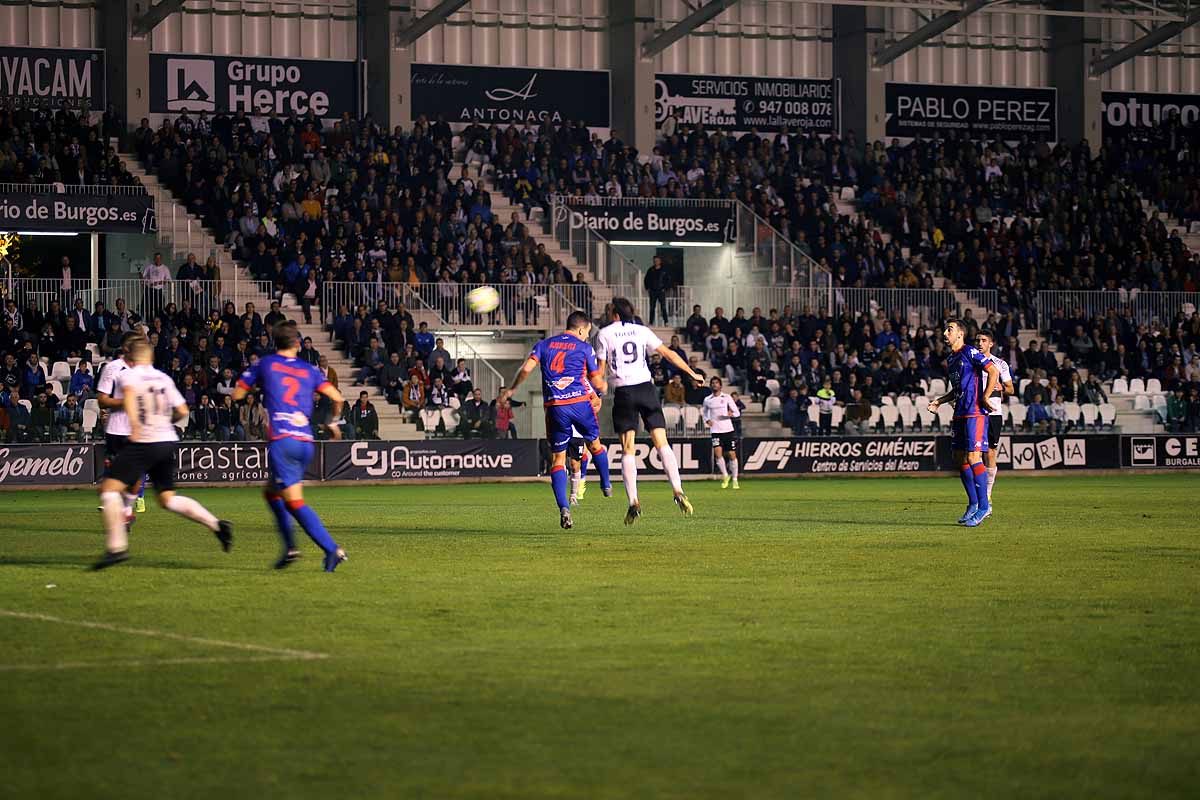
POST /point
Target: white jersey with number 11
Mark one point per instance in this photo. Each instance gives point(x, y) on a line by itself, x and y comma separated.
point(155, 401)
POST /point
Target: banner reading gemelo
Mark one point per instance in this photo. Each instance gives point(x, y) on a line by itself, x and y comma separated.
point(116, 213)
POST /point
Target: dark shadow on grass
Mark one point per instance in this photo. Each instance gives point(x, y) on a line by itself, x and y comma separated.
point(87, 561)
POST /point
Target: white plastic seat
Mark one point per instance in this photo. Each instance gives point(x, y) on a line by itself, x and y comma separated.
point(1141, 402)
point(673, 416)
point(1108, 414)
point(450, 418)
point(1018, 412)
point(92, 405)
point(90, 418)
point(1120, 386)
point(904, 401)
point(1023, 385)
point(814, 414)
point(925, 416)
point(772, 406)
point(847, 194)
point(1072, 413)
point(56, 389)
point(691, 417)
point(945, 414)
point(876, 415)
point(890, 416)
point(28, 404)
point(1153, 386)
point(773, 387)
point(908, 415)
point(429, 418)
point(60, 371)
point(1137, 386)
point(839, 414)
point(455, 402)
point(887, 400)
point(1159, 404)
point(1090, 412)
point(937, 387)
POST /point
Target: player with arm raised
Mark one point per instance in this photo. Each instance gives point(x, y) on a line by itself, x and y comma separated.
point(986, 341)
point(571, 381)
point(116, 427)
point(287, 385)
point(718, 412)
point(968, 388)
point(622, 347)
point(153, 404)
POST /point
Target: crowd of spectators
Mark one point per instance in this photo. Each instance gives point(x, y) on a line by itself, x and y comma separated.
point(48, 146)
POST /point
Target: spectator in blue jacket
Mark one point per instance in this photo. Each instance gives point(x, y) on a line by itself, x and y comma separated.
point(82, 380)
point(423, 341)
point(34, 375)
point(68, 420)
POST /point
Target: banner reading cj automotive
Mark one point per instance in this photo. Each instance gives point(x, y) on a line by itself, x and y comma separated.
point(982, 112)
point(503, 95)
point(440, 458)
point(733, 103)
point(47, 77)
point(257, 86)
point(629, 220)
point(104, 213)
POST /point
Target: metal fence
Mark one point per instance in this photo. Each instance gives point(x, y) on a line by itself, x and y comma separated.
point(539, 306)
point(776, 256)
point(1146, 307)
point(597, 200)
point(144, 299)
point(67, 188)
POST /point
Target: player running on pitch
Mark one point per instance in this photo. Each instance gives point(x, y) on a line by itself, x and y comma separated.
point(570, 373)
point(985, 340)
point(967, 367)
point(287, 385)
point(622, 348)
point(152, 404)
point(577, 461)
point(116, 427)
point(719, 411)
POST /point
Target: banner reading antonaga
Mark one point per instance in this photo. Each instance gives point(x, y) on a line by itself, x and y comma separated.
point(733, 103)
point(103, 213)
point(982, 112)
point(48, 77)
point(628, 220)
point(43, 464)
point(517, 95)
point(436, 458)
point(257, 86)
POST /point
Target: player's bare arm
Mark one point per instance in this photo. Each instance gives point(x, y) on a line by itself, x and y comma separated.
point(239, 393)
point(677, 360)
point(993, 380)
point(528, 367)
point(333, 427)
point(948, 397)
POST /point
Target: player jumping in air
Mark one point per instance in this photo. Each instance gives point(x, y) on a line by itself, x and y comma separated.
point(719, 410)
point(967, 367)
point(152, 405)
point(985, 341)
point(287, 385)
point(622, 348)
point(571, 380)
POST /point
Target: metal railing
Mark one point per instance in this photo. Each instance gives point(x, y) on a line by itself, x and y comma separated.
point(598, 200)
point(783, 263)
point(70, 188)
point(1146, 307)
point(142, 298)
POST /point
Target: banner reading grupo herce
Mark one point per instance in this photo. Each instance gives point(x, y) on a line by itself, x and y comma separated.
point(739, 103)
point(981, 112)
point(50, 77)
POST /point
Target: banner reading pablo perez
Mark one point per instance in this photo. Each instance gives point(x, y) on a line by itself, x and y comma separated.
point(47, 77)
point(772, 105)
point(982, 112)
point(257, 86)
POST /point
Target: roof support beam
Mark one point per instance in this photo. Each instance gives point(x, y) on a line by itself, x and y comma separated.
point(147, 22)
point(673, 34)
point(1138, 46)
point(935, 27)
point(426, 22)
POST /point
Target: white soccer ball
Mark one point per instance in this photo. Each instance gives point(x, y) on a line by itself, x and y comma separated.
point(483, 299)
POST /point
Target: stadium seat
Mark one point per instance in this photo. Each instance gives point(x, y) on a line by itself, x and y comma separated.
point(937, 387)
point(814, 414)
point(925, 417)
point(1072, 414)
point(56, 389)
point(1159, 404)
point(1108, 414)
point(92, 405)
point(945, 414)
point(28, 405)
point(847, 194)
point(692, 419)
point(772, 407)
point(1090, 412)
point(773, 387)
point(875, 418)
point(1023, 385)
point(908, 414)
point(1153, 386)
point(429, 419)
point(890, 417)
point(674, 417)
point(903, 401)
point(887, 400)
point(60, 371)
point(455, 402)
point(450, 418)
point(1120, 386)
point(839, 414)
point(90, 418)
point(1141, 402)
point(1137, 386)
point(73, 362)
point(1017, 413)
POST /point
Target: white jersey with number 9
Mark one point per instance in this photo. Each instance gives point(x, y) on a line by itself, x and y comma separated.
point(624, 347)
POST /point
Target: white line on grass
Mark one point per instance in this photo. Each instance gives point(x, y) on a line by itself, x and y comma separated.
point(268, 653)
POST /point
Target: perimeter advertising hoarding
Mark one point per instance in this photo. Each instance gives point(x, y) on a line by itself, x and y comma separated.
point(464, 94)
point(46, 464)
point(1161, 451)
point(626, 220)
point(739, 103)
point(982, 112)
point(1129, 113)
point(50, 77)
point(430, 459)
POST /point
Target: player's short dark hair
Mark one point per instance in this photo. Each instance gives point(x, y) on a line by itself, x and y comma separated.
point(285, 334)
point(716, 378)
point(577, 319)
point(623, 309)
point(985, 332)
point(957, 323)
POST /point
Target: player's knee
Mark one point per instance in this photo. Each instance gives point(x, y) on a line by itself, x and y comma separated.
point(164, 499)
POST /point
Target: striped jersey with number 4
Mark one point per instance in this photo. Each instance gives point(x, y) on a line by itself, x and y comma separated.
point(155, 400)
point(623, 346)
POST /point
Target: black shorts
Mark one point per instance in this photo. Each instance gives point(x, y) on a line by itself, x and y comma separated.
point(155, 459)
point(632, 402)
point(576, 448)
point(993, 431)
point(114, 443)
point(726, 441)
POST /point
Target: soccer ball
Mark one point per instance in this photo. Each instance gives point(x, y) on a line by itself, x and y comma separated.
point(483, 299)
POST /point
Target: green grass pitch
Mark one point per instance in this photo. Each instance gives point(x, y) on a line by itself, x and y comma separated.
point(799, 638)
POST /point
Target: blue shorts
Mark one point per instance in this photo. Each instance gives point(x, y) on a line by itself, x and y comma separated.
point(560, 419)
point(970, 434)
point(287, 459)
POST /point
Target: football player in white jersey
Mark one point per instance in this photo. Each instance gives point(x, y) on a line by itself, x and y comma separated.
point(718, 411)
point(152, 404)
point(985, 341)
point(622, 347)
point(116, 427)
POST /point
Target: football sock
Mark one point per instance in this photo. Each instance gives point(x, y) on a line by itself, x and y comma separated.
point(311, 523)
point(721, 468)
point(283, 520)
point(671, 467)
point(128, 499)
point(629, 475)
point(733, 467)
point(583, 462)
point(575, 481)
point(601, 459)
point(968, 479)
point(187, 507)
point(981, 485)
point(142, 488)
point(558, 482)
point(991, 472)
point(114, 521)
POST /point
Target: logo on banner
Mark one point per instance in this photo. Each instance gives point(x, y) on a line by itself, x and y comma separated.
point(1024, 455)
point(191, 84)
point(713, 111)
point(525, 92)
point(400, 459)
point(1049, 452)
point(68, 464)
point(1074, 452)
point(1143, 452)
point(769, 453)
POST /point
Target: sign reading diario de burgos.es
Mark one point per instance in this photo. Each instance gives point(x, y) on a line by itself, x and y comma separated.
point(257, 86)
point(627, 220)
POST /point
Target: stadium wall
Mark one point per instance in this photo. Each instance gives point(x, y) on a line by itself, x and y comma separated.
point(443, 460)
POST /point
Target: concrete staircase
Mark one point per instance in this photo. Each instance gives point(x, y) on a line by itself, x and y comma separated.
point(181, 233)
